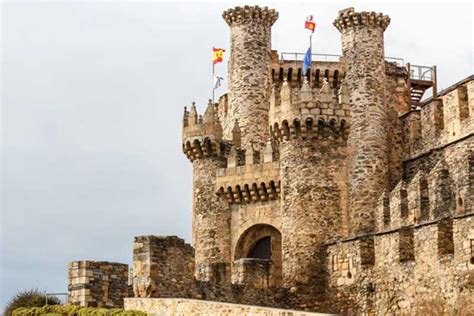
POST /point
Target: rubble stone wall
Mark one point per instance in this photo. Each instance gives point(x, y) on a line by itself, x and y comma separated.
point(426, 268)
point(363, 51)
point(162, 266)
point(313, 177)
point(448, 173)
point(97, 283)
point(252, 272)
point(180, 306)
point(249, 71)
point(441, 121)
point(211, 218)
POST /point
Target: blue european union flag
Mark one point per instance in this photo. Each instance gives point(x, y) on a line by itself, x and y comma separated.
point(307, 61)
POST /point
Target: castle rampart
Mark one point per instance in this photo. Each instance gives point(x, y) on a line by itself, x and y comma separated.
point(404, 274)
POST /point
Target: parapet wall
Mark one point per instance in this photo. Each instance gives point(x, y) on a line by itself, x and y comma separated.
point(434, 185)
point(162, 266)
point(440, 121)
point(426, 268)
point(97, 283)
point(179, 306)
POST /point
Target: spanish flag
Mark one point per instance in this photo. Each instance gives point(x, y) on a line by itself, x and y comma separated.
point(309, 24)
point(217, 55)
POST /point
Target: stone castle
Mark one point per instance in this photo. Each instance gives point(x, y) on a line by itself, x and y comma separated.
point(339, 190)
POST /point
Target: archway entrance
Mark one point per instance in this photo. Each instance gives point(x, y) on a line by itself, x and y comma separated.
point(262, 249)
point(263, 242)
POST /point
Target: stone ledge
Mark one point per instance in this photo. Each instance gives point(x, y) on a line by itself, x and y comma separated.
point(181, 306)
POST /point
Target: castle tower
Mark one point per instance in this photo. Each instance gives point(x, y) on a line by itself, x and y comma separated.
point(311, 130)
point(363, 52)
point(249, 71)
point(211, 214)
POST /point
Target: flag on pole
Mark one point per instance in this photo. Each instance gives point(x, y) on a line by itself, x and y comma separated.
point(307, 61)
point(309, 24)
point(217, 82)
point(217, 55)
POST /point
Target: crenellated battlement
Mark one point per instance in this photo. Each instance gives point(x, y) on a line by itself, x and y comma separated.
point(430, 193)
point(404, 258)
point(251, 192)
point(201, 134)
point(250, 14)
point(441, 120)
point(349, 18)
point(251, 180)
point(291, 71)
point(310, 113)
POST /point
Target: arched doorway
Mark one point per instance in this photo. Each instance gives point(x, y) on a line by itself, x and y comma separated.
point(262, 249)
point(262, 241)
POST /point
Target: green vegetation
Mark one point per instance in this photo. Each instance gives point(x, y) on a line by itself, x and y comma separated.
point(29, 298)
point(74, 310)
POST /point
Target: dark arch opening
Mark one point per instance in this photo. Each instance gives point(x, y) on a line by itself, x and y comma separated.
point(262, 249)
point(290, 74)
point(262, 241)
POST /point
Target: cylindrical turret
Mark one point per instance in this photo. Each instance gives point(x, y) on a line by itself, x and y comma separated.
point(363, 52)
point(211, 213)
point(311, 133)
point(211, 222)
point(249, 71)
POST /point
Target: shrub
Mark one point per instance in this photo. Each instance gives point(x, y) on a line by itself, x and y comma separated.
point(74, 310)
point(29, 298)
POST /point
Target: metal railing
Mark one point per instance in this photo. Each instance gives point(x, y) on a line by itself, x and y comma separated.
point(418, 72)
point(314, 57)
point(63, 297)
point(329, 58)
point(398, 61)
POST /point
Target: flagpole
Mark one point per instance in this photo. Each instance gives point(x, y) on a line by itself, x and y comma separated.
point(311, 50)
point(213, 75)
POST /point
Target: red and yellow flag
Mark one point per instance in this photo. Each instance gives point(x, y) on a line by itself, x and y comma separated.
point(217, 55)
point(309, 24)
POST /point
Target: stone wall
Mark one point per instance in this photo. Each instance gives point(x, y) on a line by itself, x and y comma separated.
point(97, 283)
point(178, 306)
point(425, 268)
point(312, 200)
point(252, 272)
point(441, 121)
point(162, 267)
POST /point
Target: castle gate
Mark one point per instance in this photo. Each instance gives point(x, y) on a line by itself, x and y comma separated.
point(262, 242)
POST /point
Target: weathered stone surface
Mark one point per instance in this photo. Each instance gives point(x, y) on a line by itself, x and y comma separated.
point(97, 283)
point(173, 307)
point(362, 35)
point(162, 267)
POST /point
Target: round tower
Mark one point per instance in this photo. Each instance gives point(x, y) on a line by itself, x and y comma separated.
point(211, 214)
point(363, 52)
point(249, 71)
point(311, 132)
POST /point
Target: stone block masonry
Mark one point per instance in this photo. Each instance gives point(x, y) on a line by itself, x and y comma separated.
point(162, 267)
point(97, 283)
point(176, 306)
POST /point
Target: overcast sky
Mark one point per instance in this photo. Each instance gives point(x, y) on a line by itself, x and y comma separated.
point(92, 101)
